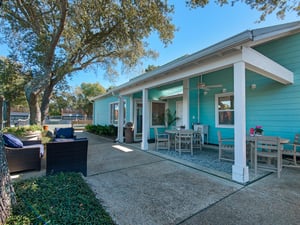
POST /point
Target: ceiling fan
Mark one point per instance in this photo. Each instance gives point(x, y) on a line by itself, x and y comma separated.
point(205, 87)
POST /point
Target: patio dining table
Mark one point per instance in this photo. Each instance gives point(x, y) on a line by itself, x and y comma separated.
point(282, 140)
point(183, 134)
point(181, 131)
point(173, 132)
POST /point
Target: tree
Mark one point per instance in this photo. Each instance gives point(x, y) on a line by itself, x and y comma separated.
point(110, 88)
point(83, 95)
point(7, 193)
point(150, 68)
point(55, 39)
point(61, 100)
point(265, 7)
point(12, 83)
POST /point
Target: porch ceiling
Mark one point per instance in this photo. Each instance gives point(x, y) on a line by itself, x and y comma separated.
point(254, 61)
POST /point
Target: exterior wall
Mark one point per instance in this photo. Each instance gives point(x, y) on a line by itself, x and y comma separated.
point(207, 102)
point(102, 109)
point(272, 105)
point(275, 106)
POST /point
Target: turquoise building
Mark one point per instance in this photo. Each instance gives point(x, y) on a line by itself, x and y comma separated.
point(251, 79)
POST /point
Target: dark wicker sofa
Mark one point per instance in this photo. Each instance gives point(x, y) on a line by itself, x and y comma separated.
point(67, 156)
point(24, 159)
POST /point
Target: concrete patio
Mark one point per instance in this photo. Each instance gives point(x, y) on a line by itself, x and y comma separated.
point(139, 187)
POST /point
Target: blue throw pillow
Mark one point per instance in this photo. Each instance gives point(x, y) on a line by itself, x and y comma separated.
point(12, 141)
point(64, 132)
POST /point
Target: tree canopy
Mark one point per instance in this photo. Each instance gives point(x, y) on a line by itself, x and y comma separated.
point(279, 7)
point(83, 95)
point(54, 39)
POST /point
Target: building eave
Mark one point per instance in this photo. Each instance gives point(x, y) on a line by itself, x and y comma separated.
point(247, 38)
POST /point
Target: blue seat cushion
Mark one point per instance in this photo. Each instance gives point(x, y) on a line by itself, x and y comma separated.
point(12, 141)
point(67, 132)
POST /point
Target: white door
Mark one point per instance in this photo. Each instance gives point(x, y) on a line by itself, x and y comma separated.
point(179, 113)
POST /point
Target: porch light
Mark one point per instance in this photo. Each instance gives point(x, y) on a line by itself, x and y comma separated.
point(224, 90)
point(253, 86)
point(205, 92)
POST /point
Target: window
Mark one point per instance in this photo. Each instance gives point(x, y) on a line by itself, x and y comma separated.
point(225, 110)
point(158, 113)
point(114, 113)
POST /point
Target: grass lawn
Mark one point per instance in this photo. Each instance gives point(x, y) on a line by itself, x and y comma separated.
point(58, 199)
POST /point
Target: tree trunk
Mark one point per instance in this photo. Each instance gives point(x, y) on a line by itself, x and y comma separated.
point(7, 193)
point(7, 114)
point(35, 112)
point(1, 112)
point(45, 102)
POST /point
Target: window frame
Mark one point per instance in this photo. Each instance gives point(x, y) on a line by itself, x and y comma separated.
point(217, 110)
point(151, 114)
point(111, 120)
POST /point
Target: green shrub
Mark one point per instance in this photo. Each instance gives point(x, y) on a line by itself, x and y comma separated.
point(21, 131)
point(60, 199)
point(106, 130)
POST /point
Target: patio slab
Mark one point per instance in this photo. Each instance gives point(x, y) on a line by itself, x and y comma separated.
point(150, 189)
point(267, 201)
point(161, 192)
point(139, 187)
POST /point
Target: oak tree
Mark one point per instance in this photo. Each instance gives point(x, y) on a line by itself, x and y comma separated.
point(55, 39)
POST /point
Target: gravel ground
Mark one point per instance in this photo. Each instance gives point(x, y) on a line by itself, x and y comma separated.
point(206, 158)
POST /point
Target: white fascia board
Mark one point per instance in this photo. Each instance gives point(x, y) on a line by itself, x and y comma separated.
point(187, 60)
point(276, 31)
point(254, 60)
point(215, 64)
point(110, 93)
point(263, 65)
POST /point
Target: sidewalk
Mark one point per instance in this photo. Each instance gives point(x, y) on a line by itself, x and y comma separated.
point(141, 188)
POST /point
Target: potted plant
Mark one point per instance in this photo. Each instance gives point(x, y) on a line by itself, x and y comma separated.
point(258, 130)
point(170, 117)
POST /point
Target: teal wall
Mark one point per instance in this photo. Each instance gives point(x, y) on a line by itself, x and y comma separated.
point(275, 106)
point(272, 105)
point(102, 108)
point(207, 102)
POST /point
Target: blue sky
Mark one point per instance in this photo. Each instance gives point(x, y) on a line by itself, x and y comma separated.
point(198, 29)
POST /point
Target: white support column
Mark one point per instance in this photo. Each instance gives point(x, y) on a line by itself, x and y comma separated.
point(145, 130)
point(121, 120)
point(185, 104)
point(240, 170)
point(131, 108)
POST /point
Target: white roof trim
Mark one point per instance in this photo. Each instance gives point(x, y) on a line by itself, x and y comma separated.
point(188, 62)
point(259, 63)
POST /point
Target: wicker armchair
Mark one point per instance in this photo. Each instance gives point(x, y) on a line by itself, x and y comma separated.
point(24, 159)
point(67, 156)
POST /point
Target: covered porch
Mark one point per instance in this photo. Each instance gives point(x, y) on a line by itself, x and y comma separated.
point(235, 69)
